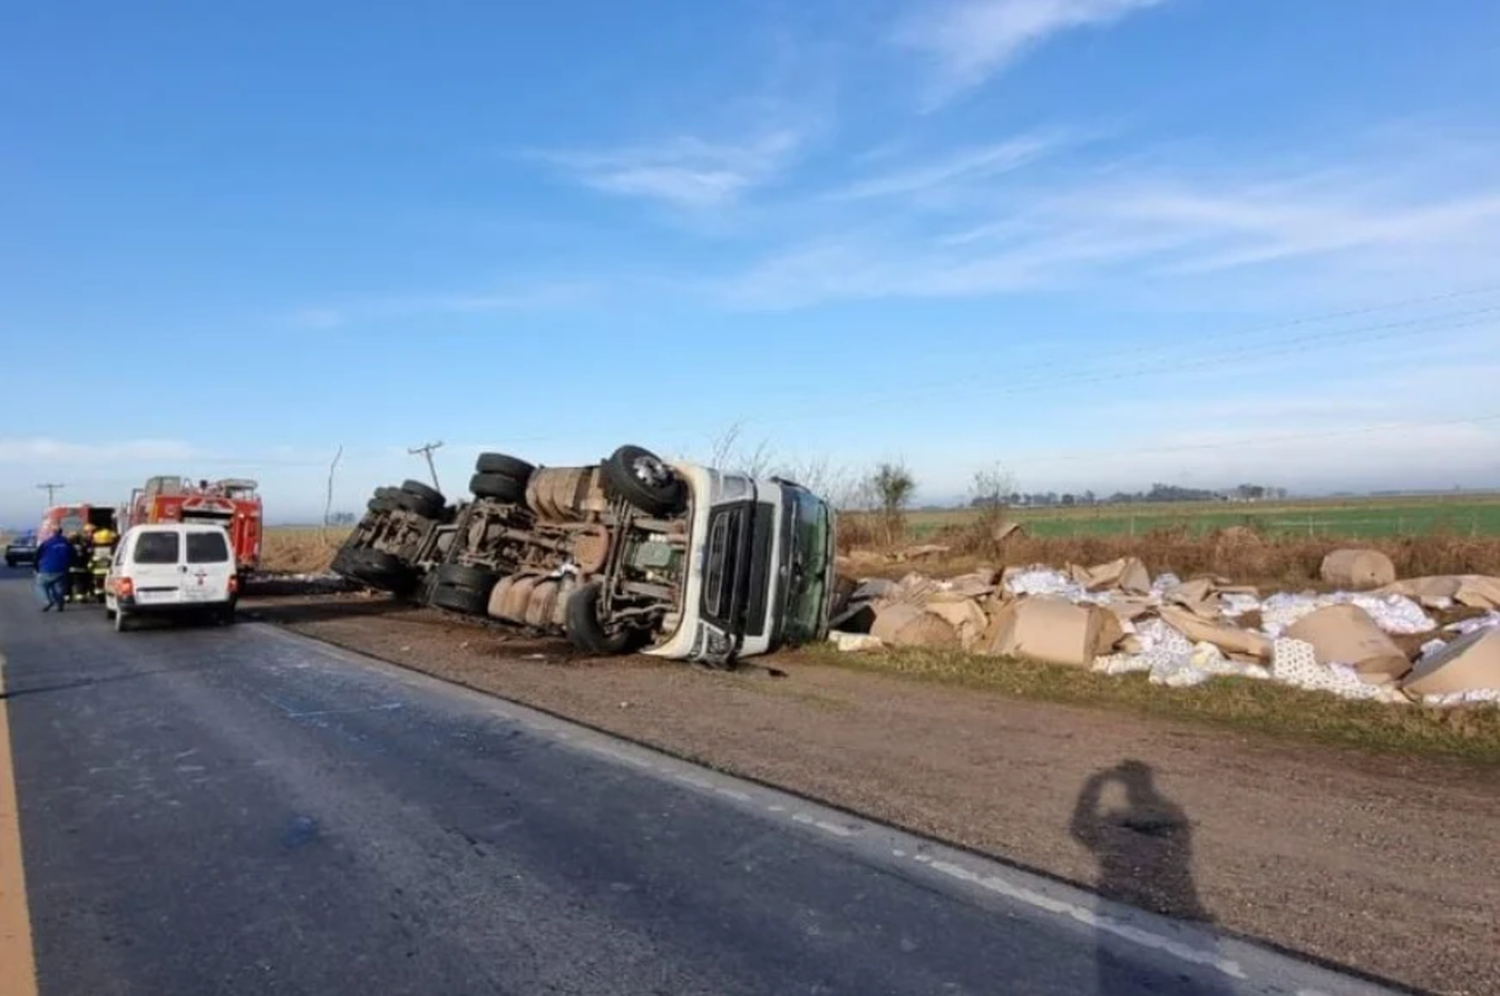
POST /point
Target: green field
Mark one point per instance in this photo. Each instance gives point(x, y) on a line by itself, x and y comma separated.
point(1468, 515)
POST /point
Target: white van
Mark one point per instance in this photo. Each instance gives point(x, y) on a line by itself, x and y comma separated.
point(172, 569)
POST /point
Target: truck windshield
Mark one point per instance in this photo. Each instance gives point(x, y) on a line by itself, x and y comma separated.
point(810, 566)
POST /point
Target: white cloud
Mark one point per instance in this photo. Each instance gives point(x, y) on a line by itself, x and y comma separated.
point(683, 172)
point(968, 165)
point(973, 40)
point(1377, 219)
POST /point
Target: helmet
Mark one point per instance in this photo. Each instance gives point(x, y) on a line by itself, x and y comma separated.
point(104, 537)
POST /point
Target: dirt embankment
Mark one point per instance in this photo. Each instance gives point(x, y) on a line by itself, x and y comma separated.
point(1376, 863)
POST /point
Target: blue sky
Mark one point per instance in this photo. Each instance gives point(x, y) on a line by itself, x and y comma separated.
point(1098, 242)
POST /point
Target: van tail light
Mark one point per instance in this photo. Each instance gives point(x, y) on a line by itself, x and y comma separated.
point(124, 588)
point(234, 584)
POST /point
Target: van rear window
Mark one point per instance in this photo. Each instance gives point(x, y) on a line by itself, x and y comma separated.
point(207, 548)
point(156, 548)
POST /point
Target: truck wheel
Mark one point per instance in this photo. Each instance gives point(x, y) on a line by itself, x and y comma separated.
point(379, 570)
point(380, 504)
point(476, 579)
point(643, 479)
point(500, 487)
point(585, 631)
point(465, 600)
point(418, 505)
point(500, 463)
point(432, 495)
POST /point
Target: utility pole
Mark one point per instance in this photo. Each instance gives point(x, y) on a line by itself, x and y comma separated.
point(426, 451)
point(51, 490)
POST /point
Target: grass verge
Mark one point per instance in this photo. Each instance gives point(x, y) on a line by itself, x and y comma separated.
point(1470, 734)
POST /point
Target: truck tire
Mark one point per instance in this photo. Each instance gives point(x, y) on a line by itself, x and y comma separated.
point(432, 495)
point(581, 621)
point(644, 480)
point(418, 505)
point(500, 487)
point(499, 463)
point(476, 579)
point(379, 569)
point(454, 599)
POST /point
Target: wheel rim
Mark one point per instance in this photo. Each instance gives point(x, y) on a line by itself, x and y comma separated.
point(650, 471)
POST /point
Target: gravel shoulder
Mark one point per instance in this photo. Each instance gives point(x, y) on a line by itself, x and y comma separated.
point(1375, 863)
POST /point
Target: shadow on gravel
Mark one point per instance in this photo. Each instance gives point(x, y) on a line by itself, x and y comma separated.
point(1143, 843)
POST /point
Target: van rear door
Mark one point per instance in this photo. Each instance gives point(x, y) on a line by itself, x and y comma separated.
point(209, 566)
point(156, 566)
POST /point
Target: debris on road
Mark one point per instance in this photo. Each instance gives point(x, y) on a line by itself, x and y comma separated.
point(1115, 619)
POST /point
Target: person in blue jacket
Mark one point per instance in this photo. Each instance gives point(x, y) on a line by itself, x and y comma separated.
point(53, 558)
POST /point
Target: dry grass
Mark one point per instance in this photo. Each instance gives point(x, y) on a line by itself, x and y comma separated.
point(1243, 554)
point(1470, 733)
point(299, 549)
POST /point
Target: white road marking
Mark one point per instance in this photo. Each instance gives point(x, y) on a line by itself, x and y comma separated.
point(1091, 918)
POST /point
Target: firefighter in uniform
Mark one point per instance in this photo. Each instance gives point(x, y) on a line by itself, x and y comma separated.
point(104, 552)
point(80, 571)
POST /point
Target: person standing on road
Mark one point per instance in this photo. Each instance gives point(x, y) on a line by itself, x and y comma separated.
point(53, 558)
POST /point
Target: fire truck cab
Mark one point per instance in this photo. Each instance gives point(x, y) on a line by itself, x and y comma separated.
point(232, 503)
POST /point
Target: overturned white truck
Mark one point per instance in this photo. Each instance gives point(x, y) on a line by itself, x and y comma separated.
point(634, 553)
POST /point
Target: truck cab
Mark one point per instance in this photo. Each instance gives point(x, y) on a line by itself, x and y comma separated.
point(760, 571)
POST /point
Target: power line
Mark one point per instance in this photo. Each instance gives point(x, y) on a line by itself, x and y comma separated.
point(1262, 440)
point(51, 490)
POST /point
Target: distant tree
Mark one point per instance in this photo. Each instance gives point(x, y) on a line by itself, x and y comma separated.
point(1068, 499)
point(343, 519)
point(892, 485)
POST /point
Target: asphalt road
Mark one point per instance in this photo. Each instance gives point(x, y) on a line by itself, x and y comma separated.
point(239, 810)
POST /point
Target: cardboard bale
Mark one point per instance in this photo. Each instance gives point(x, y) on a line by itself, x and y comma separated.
point(1470, 663)
point(1358, 570)
point(1127, 574)
point(963, 614)
point(903, 625)
point(1432, 592)
point(1054, 630)
point(1478, 592)
point(1346, 634)
point(1236, 642)
point(1129, 608)
point(973, 585)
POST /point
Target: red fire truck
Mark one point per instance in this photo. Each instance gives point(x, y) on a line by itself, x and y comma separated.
point(233, 503)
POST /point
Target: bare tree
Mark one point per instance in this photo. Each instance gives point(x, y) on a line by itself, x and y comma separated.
point(989, 495)
point(729, 452)
point(328, 504)
point(891, 486)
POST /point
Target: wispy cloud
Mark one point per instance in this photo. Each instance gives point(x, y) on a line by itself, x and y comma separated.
point(967, 165)
point(44, 451)
point(539, 296)
point(970, 41)
point(684, 172)
point(1379, 217)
